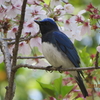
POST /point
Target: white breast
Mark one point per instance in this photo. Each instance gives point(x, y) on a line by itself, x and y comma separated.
point(54, 57)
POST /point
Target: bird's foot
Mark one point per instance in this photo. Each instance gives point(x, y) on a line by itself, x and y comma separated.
point(48, 69)
point(58, 69)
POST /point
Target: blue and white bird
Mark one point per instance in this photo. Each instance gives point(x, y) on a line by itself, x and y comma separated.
point(59, 50)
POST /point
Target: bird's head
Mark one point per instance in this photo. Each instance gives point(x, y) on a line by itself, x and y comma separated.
point(47, 25)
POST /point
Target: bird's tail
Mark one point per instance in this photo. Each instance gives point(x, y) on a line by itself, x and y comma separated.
point(81, 85)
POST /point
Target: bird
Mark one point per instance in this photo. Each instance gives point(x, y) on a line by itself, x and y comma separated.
point(59, 51)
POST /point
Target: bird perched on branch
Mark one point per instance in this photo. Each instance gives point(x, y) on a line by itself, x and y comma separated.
point(59, 50)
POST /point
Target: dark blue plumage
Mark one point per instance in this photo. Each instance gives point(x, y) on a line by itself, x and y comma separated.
point(59, 50)
point(67, 47)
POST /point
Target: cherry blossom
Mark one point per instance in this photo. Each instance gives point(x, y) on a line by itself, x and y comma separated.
point(30, 26)
point(11, 33)
point(35, 11)
point(55, 3)
point(98, 49)
point(34, 2)
point(86, 28)
point(14, 9)
point(2, 2)
point(72, 30)
point(69, 8)
point(42, 62)
point(23, 48)
point(59, 10)
point(2, 12)
point(36, 42)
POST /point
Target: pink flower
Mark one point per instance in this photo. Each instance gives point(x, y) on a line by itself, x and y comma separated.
point(95, 78)
point(72, 30)
point(98, 93)
point(35, 11)
point(2, 2)
point(98, 49)
point(24, 48)
point(69, 8)
point(14, 9)
point(34, 2)
point(54, 3)
point(92, 56)
point(59, 10)
point(42, 62)
point(86, 28)
point(36, 42)
point(30, 27)
point(11, 33)
point(2, 12)
point(95, 27)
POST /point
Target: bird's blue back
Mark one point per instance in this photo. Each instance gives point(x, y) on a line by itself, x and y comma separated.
point(63, 43)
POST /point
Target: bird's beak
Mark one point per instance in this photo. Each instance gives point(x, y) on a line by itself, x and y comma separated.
point(38, 22)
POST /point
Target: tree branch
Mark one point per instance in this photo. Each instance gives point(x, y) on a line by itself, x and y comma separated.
point(23, 38)
point(96, 59)
point(35, 57)
point(52, 68)
point(18, 34)
point(7, 57)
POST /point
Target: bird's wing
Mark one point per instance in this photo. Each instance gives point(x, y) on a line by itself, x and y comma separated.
point(67, 47)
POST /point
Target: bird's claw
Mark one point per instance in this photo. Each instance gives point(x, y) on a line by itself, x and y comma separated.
point(58, 69)
point(48, 69)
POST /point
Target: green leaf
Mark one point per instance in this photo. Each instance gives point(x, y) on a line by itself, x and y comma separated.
point(56, 89)
point(35, 51)
point(47, 1)
point(80, 99)
point(65, 90)
point(85, 57)
point(57, 86)
point(48, 89)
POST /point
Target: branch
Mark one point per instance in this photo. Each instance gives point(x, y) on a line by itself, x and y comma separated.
point(23, 38)
point(52, 68)
point(96, 58)
point(7, 57)
point(8, 39)
point(35, 57)
point(18, 34)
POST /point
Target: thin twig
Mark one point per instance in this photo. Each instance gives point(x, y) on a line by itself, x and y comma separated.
point(18, 34)
point(52, 68)
point(8, 39)
point(24, 38)
point(7, 57)
point(96, 59)
point(35, 57)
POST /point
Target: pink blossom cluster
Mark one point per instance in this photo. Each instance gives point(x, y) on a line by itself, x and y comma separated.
point(10, 11)
point(74, 26)
point(95, 19)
